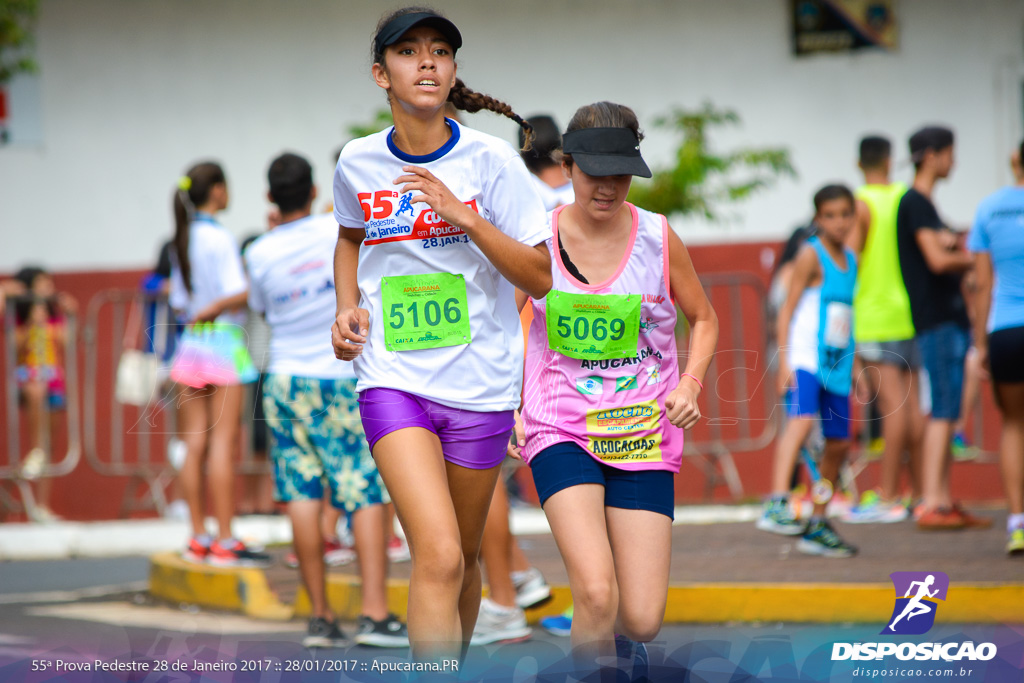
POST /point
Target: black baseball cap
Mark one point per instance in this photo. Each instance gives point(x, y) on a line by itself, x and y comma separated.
point(606, 151)
point(397, 27)
point(930, 137)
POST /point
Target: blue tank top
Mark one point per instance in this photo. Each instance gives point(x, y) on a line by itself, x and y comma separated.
point(835, 321)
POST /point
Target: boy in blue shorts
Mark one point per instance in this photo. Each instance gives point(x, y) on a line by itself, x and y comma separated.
point(310, 406)
point(815, 329)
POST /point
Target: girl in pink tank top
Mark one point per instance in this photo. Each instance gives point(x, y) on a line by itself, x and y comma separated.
point(604, 403)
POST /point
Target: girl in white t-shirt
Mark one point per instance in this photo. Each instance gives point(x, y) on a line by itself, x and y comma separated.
point(208, 284)
point(438, 224)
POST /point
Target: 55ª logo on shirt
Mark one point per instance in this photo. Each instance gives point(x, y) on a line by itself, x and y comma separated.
point(387, 214)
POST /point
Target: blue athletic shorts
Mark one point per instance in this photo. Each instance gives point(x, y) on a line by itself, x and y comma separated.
point(566, 464)
point(808, 399)
point(317, 440)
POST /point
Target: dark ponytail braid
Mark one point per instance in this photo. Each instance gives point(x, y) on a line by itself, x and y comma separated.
point(471, 101)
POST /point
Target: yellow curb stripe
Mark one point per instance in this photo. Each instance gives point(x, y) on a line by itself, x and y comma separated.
point(247, 591)
point(234, 589)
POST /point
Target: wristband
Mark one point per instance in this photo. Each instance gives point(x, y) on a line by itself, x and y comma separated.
point(699, 384)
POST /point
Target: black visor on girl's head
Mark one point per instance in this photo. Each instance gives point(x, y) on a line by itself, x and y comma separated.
point(397, 27)
point(606, 151)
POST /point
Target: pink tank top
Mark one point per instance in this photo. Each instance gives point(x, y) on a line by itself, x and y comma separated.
point(614, 408)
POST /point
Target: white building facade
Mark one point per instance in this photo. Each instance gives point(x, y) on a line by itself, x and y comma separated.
point(132, 92)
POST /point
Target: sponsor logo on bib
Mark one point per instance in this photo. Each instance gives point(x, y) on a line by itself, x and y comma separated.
point(626, 434)
point(386, 214)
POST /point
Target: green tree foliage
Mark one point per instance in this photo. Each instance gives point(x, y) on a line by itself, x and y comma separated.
point(701, 180)
point(381, 120)
point(17, 21)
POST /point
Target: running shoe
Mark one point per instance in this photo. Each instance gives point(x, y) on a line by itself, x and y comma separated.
point(874, 510)
point(940, 519)
point(560, 625)
point(531, 588)
point(388, 632)
point(236, 554)
point(398, 550)
point(636, 657)
point(196, 552)
point(961, 448)
point(499, 624)
point(971, 521)
point(778, 520)
point(821, 539)
point(336, 554)
point(41, 514)
point(323, 633)
point(1015, 543)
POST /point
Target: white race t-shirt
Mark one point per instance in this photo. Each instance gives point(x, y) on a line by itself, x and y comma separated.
point(217, 271)
point(410, 239)
point(291, 275)
point(554, 197)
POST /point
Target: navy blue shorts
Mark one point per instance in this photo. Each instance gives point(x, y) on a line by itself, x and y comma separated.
point(810, 399)
point(566, 464)
point(943, 350)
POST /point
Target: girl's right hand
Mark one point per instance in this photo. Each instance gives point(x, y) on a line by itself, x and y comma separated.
point(517, 440)
point(349, 331)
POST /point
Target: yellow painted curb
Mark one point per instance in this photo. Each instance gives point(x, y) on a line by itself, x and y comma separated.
point(247, 591)
point(233, 589)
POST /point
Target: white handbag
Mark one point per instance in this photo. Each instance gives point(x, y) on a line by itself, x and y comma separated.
point(136, 381)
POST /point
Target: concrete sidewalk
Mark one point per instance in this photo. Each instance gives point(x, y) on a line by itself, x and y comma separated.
point(722, 571)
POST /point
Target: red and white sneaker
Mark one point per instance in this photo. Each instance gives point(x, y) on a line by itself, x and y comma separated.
point(236, 554)
point(398, 550)
point(196, 552)
point(336, 554)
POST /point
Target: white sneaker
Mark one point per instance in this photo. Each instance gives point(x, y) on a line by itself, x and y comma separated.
point(498, 624)
point(531, 588)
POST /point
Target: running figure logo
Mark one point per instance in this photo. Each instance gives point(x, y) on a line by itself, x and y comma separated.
point(914, 613)
point(405, 205)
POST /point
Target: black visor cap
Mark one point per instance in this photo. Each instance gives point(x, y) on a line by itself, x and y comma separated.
point(606, 151)
point(397, 27)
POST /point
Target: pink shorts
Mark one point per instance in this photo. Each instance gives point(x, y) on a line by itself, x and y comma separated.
point(468, 438)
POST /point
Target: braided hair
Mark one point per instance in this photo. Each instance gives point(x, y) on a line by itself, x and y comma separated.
point(471, 101)
point(461, 97)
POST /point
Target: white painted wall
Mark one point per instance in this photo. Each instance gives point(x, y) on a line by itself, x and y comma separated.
point(132, 92)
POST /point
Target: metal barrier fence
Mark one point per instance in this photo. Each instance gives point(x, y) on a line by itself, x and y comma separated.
point(136, 445)
point(17, 472)
point(742, 412)
point(151, 427)
point(738, 403)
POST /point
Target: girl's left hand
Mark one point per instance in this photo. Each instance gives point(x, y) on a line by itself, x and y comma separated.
point(436, 195)
point(681, 406)
point(208, 314)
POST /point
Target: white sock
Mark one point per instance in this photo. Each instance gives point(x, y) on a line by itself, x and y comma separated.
point(500, 609)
